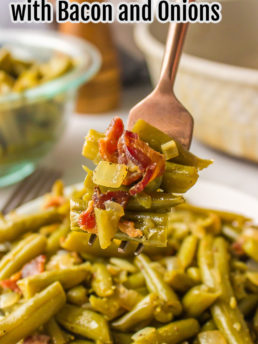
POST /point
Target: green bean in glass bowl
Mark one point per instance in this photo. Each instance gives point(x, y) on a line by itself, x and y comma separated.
point(40, 73)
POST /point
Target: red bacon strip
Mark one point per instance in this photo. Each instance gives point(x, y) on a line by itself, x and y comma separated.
point(119, 196)
point(128, 228)
point(87, 221)
point(137, 154)
point(11, 283)
point(54, 201)
point(108, 145)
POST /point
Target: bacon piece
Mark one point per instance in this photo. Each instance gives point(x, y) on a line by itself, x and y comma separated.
point(37, 339)
point(108, 145)
point(119, 196)
point(128, 228)
point(135, 153)
point(34, 267)
point(87, 221)
point(54, 201)
point(11, 283)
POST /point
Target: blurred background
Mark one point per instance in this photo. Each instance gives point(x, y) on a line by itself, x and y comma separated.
point(217, 81)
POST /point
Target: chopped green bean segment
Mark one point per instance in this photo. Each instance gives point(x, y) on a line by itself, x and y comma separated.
point(159, 201)
point(55, 332)
point(102, 282)
point(156, 284)
point(156, 138)
point(215, 273)
point(77, 295)
point(211, 337)
point(12, 228)
point(23, 252)
point(179, 280)
point(187, 251)
point(33, 313)
point(179, 178)
point(141, 312)
point(198, 299)
point(84, 322)
point(69, 278)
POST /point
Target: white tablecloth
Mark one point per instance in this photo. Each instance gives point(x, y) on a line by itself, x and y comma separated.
point(66, 156)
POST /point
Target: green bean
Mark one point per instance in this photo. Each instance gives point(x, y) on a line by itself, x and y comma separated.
point(178, 331)
point(179, 280)
point(23, 252)
point(157, 285)
point(187, 251)
point(211, 337)
point(159, 201)
point(194, 273)
point(146, 335)
point(102, 282)
point(135, 281)
point(108, 306)
point(32, 314)
point(248, 304)
point(141, 312)
point(162, 315)
point(198, 299)
point(53, 241)
point(13, 227)
point(157, 218)
point(128, 298)
point(55, 332)
point(123, 264)
point(156, 138)
point(85, 323)
point(178, 178)
point(68, 277)
point(173, 333)
point(77, 295)
point(228, 319)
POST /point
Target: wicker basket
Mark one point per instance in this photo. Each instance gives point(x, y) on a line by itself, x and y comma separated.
point(218, 76)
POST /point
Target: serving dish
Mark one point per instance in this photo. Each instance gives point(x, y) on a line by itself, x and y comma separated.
point(218, 76)
point(32, 121)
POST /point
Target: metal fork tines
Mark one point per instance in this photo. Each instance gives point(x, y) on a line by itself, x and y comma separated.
point(123, 246)
point(35, 185)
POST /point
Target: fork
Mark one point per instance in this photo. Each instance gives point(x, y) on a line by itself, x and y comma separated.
point(35, 185)
point(161, 108)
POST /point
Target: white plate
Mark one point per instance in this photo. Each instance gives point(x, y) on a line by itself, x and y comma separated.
point(205, 194)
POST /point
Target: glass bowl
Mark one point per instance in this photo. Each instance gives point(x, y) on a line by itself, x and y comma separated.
point(31, 122)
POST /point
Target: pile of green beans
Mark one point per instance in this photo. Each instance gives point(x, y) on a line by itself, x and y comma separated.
point(29, 128)
point(200, 289)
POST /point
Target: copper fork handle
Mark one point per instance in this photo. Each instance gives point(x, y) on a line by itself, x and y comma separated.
point(173, 50)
